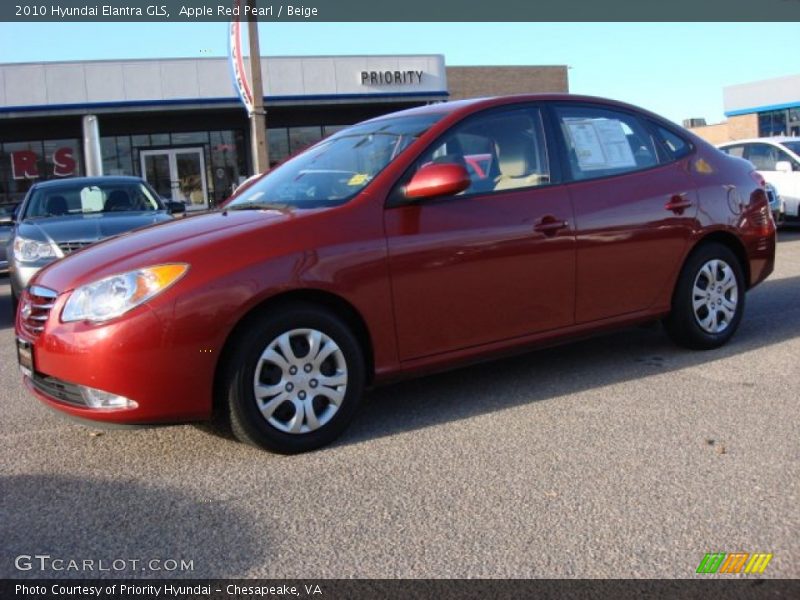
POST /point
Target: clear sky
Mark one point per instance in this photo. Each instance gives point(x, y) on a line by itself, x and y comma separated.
point(675, 69)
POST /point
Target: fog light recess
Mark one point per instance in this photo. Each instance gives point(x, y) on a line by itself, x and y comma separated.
point(104, 400)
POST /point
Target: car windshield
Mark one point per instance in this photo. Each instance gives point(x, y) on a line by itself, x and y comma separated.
point(82, 198)
point(793, 146)
point(337, 168)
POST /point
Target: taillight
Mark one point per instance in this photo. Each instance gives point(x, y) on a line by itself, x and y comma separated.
point(760, 181)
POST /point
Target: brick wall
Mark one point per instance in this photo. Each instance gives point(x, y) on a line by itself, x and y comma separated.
point(735, 128)
point(475, 82)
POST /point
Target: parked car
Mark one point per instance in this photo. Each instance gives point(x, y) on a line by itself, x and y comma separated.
point(376, 255)
point(6, 227)
point(777, 159)
point(60, 216)
point(776, 204)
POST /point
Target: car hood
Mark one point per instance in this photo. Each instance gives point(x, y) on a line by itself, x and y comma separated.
point(87, 228)
point(178, 240)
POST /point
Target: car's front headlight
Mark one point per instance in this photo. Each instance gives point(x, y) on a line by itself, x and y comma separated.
point(113, 296)
point(26, 250)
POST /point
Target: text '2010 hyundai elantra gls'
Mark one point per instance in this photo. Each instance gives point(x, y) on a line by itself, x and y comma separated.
point(413, 242)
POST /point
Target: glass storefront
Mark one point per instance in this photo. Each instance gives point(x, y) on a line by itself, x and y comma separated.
point(215, 162)
point(200, 168)
point(779, 122)
point(23, 163)
point(288, 141)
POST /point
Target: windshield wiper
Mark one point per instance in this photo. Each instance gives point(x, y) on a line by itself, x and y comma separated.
point(259, 206)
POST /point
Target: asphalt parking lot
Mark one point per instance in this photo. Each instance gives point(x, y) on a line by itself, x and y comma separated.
point(620, 456)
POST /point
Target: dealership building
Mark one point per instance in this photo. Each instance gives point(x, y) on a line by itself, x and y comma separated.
point(179, 122)
point(757, 109)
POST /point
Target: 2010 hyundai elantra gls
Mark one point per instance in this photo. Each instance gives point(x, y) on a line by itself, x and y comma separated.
point(409, 243)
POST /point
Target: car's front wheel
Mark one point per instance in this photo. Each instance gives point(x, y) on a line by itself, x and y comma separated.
point(708, 301)
point(294, 380)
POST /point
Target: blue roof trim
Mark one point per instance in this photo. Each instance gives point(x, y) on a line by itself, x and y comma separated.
point(199, 101)
point(757, 109)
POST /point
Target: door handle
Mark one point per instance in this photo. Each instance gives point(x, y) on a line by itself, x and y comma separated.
point(549, 225)
point(678, 203)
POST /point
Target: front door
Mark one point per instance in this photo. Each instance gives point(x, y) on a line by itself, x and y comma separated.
point(493, 263)
point(177, 174)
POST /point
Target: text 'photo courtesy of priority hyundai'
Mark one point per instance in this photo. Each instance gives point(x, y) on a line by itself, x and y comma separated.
point(410, 243)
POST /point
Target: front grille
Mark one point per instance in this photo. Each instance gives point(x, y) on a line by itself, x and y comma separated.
point(35, 308)
point(70, 247)
point(60, 390)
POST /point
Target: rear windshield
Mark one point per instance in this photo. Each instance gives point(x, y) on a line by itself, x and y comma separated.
point(75, 199)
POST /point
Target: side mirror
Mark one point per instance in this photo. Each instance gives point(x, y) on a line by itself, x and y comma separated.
point(175, 208)
point(445, 179)
point(783, 166)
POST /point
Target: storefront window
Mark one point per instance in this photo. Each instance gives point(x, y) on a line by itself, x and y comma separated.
point(772, 123)
point(23, 163)
point(278, 139)
point(301, 138)
point(117, 158)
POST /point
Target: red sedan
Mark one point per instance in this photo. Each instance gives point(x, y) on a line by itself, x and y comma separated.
point(379, 254)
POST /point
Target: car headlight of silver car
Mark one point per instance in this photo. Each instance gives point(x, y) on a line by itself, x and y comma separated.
point(111, 297)
point(28, 251)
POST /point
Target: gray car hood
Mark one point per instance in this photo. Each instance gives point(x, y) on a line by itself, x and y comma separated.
point(88, 227)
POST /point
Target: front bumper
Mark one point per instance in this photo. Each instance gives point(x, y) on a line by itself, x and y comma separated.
point(140, 356)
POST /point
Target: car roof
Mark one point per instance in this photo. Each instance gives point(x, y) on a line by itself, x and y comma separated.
point(71, 181)
point(475, 104)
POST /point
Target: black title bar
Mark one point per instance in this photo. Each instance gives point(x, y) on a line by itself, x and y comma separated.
point(439, 589)
point(405, 11)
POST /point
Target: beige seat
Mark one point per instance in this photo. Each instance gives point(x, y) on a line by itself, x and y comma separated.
point(514, 152)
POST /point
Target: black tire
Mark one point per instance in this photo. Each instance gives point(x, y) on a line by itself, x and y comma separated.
point(683, 324)
point(247, 422)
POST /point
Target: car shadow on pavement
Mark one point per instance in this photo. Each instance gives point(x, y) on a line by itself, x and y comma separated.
point(772, 315)
point(6, 319)
point(69, 518)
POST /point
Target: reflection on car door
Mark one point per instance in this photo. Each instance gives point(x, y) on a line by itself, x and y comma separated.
point(633, 215)
point(493, 263)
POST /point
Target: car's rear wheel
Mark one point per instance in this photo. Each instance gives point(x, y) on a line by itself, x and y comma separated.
point(294, 380)
point(708, 301)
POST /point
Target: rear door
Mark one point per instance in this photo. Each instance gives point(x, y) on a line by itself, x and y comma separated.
point(493, 263)
point(634, 207)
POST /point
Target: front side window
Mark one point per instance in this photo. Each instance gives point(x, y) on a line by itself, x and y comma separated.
point(763, 156)
point(783, 155)
point(75, 199)
point(602, 142)
point(737, 151)
point(337, 168)
point(501, 150)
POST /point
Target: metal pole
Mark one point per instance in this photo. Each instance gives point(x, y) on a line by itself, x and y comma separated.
point(91, 146)
point(258, 118)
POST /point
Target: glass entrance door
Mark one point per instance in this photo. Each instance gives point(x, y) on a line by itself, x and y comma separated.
point(177, 174)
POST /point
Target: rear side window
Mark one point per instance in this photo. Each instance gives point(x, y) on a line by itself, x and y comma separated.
point(602, 142)
point(675, 145)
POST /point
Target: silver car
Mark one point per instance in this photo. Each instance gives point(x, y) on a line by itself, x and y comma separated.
point(6, 228)
point(58, 217)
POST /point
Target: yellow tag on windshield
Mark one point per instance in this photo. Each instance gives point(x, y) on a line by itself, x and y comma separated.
point(358, 179)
